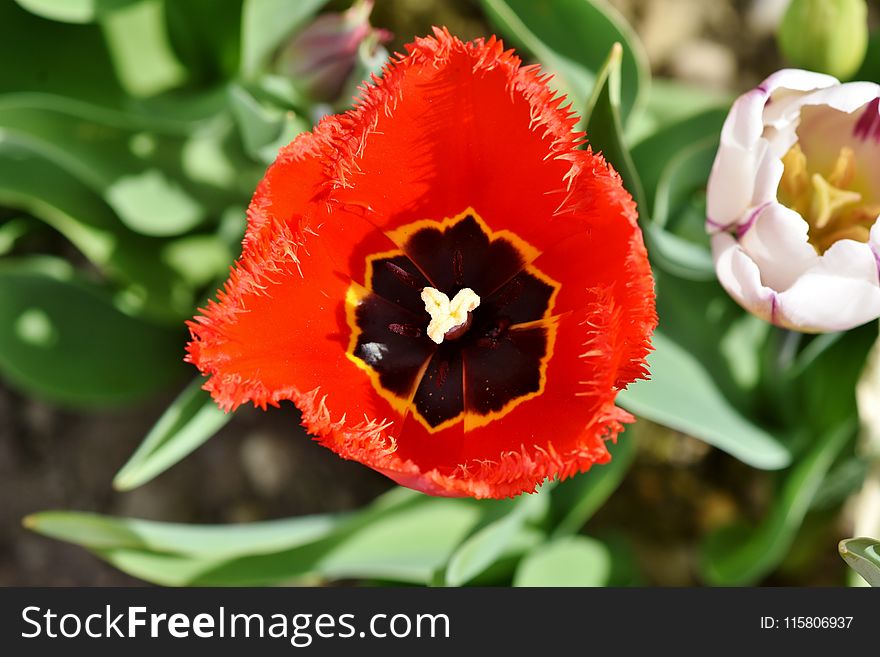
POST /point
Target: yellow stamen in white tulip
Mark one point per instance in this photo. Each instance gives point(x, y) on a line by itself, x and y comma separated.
point(446, 315)
point(829, 204)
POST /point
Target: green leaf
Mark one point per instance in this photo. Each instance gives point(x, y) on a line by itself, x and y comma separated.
point(206, 37)
point(63, 340)
point(30, 182)
point(671, 103)
point(264, 129)
point(407, 546)
point(217, 542)
point(604, 125)
point(140, 49)
point(138, 174)
point(402, 536)
point(677, 236)
point(60, 60)
point(11, 231)
point(405, 540)
point(824, 383)
point(863, 556)
point(73, 11)
point(740, 556)
point(191, 420)
point(682, 395)
point(567, 561)
point(575, 500)
point(198, 259)
point(151, 203)
point(487, 544)
point(653, 154)
point(675, 254)
point(571, 38)
point(265, 24)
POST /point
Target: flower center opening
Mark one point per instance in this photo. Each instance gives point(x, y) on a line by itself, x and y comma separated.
point(454, 326)
point(828, 189)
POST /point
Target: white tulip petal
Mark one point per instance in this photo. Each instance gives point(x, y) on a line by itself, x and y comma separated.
point(768, 177)
point(732, 183)
point(845, 97)
point(777, 241)
point(786, 88)
point(840, 292)
point(740, 277)
point(743, 125)
point(797, 80)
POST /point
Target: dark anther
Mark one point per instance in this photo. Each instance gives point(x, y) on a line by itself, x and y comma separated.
point(403, 275)
point(442, 373)
point(511, 293)
point(458, 267)
point(406, 330)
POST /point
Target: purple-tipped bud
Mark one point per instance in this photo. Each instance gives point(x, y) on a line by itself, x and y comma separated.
point(322, 57)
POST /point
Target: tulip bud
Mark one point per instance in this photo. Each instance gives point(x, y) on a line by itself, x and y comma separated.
point(793, 202)
point(829, 36)
point(321, 58)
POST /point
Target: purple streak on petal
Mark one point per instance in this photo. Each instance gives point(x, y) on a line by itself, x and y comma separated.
point(742, 229)
point(715, 224)
point(774, 307)
point(868, 124)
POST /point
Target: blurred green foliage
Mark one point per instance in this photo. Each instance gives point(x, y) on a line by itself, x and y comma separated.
point(131, 138)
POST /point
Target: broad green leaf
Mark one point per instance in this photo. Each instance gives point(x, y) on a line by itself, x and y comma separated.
point(175, 554)
point(676, 236)
point(863, 556)
point(681, 394)
point(567, 561)
point(406, 539)
point(575, 500)
point(152, 203)
point(29, 182)
point(487, 544)
point(140, 49)
point(160, 568)
point(677, 255)
point(60, 60)
point(403, 537)
point(571, 38)
point(206, 37)
point(822, 390)
point(263, 129)
point(406, 546)
point(685, 173)
point(265, 24)
point(73, 11)
point(198, 259)
point(740, 556)
point(653, 154)
point(65, 341)
point(670, 103)
point(138, 174)
point(216, 542)
point(191, 419)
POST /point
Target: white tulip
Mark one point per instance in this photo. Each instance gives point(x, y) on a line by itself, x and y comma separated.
point(794, 202)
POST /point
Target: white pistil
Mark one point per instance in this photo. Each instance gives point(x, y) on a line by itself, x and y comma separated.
point(445, 314)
